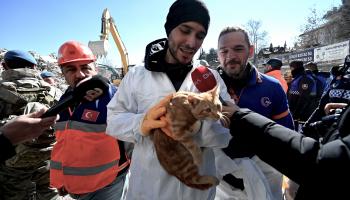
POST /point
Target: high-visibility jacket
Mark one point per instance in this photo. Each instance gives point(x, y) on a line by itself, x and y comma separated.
point(85, 158)
point(278, 75)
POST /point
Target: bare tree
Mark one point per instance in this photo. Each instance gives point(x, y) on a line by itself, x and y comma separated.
point(202, 54)
point(256, 36)
point(314, 31)
point(212, 57)
point(344, 22)
point(314, 20)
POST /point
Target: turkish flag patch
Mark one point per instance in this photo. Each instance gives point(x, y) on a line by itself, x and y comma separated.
point(90, 115)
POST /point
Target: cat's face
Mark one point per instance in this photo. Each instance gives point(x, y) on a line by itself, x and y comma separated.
point(206, 105)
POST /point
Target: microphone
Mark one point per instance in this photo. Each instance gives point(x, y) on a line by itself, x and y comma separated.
point(204, 80)
point(96, 84)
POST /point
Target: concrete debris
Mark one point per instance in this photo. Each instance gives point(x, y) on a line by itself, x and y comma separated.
point(47, 62)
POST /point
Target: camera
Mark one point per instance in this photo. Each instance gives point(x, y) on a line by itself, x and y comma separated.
point(326, 122)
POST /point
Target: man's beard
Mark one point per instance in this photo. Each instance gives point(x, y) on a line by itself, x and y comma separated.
point(236, 74)
point(173, 52)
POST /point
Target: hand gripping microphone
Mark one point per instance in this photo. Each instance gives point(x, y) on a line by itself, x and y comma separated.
point(204, 80)
point(96, 82)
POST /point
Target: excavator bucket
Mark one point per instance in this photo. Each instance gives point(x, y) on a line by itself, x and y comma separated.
point(99, 48)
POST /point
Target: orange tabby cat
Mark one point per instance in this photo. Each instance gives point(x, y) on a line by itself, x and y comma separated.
point(180, 156)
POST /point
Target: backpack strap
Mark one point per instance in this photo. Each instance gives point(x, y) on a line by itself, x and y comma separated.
point(11, 96)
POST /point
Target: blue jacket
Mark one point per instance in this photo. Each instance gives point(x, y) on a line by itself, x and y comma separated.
point(100, 105)
point(302, 96)
point(264, 95)
point(338, 91)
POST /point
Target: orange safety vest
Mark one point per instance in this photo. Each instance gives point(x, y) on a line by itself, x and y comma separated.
point(277, 74)
point(85, 158)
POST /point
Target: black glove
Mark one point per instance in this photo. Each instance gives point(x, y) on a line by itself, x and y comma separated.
point(240, 146)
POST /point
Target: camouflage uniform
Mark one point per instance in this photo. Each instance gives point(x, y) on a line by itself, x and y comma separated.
point(26, 175)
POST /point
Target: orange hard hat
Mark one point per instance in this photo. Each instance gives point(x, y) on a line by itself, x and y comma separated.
point(73, 51)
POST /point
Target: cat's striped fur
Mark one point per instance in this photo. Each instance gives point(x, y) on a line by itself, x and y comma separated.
point(180, 156)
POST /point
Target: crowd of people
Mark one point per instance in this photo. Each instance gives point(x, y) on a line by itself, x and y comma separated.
point(100, 146)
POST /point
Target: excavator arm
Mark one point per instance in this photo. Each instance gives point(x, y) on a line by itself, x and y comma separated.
point(121, 47)
point(100, 48)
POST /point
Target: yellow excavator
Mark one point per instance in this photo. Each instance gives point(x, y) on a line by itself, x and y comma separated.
point(100, 47)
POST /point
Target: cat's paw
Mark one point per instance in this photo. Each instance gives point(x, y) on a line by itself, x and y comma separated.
point(211, 180)
point(198, 161)
point(205, 182)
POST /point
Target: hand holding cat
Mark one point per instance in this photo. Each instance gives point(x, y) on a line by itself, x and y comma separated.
point(167, 128)
point(152, 118)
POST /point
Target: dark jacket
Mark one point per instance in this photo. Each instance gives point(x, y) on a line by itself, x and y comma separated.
point(321, 169)
point(337, 92)
point(155, 61)
point(302, 95)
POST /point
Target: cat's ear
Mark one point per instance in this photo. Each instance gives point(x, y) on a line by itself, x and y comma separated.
point(192, 100)
point(215, 91)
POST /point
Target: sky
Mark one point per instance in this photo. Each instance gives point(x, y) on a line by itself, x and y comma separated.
point(43, 25)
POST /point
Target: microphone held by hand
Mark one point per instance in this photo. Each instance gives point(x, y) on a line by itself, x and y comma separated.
point(91, 89)
point(204, 80)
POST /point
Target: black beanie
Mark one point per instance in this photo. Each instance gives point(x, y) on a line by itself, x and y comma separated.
point(187, 10)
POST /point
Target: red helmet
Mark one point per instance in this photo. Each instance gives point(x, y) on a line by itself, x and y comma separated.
point(73, 51)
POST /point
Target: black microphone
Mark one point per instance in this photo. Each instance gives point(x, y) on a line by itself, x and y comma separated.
point(204, 80)
point(96, 82)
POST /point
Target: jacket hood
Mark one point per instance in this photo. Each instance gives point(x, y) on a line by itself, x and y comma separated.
point(155, 57)
point(155, 54)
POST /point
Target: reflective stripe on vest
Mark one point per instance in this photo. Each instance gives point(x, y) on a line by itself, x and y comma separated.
point(81, 171)
point(81, 126)
point(84, 158)
point(124, 165)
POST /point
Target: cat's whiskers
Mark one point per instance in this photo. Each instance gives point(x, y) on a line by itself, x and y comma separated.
point(225, 120)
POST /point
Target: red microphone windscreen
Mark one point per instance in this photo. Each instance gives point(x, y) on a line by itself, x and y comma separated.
point(203, 79)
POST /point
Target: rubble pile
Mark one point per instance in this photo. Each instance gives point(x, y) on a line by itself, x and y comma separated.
point(48, 63)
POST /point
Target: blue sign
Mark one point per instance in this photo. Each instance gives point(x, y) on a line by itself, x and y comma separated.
point(305, 56)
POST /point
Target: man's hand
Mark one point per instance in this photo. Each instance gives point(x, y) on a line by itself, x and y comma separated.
point(227, 112)
point(152, 118)
point(26, 127)
point(167, 128)
point(329, 107)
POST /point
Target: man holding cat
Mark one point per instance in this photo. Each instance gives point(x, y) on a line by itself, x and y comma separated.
point(134, 110)
point(254, 90)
